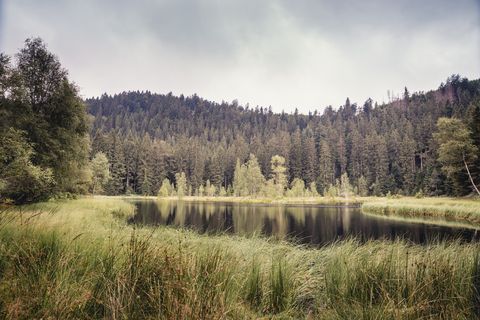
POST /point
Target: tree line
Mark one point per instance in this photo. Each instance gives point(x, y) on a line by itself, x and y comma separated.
point(54, 143)
point(380, 148)
point(248, 181)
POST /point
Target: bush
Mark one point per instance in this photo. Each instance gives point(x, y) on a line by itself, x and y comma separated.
point(298, 188)
point(20, 180)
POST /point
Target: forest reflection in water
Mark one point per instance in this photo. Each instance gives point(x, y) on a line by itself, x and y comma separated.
point(308, 224)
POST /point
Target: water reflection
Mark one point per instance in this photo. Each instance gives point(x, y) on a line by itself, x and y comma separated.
point(306, 224)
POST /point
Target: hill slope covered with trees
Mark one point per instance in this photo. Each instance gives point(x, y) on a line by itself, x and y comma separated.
point(381, 148)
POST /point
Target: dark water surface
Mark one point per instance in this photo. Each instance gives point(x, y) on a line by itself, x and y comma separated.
point(308, 224)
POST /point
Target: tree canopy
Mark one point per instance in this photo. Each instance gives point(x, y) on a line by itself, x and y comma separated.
point(42, 112)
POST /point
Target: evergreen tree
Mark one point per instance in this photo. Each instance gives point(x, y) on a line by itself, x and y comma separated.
point(326, 166)
point(407, 164)
point(295, 163)
point(117, 167)
point(145, 187)
point(309, 160)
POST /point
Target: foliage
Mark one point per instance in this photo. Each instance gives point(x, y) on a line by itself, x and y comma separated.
point(332, 191)
point(248, 178)
point(100, 172)
point(297, 189)
point(20, 179)
point(166, 189)
point(181, 182)
point(38, 100)
point(456, 149)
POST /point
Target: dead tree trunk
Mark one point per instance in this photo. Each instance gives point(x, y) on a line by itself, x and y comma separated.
point(469, 175)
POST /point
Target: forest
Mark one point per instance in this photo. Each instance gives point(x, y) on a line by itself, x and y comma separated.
point(377, 148)
point(56, 144)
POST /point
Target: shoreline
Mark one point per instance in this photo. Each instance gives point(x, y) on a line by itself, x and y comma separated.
point(431, 210)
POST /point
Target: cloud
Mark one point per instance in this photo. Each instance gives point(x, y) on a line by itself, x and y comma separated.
point(305, 53)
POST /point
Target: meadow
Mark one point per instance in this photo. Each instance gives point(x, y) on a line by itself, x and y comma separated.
point(79, 259)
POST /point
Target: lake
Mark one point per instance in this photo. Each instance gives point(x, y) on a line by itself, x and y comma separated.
point(307, 224)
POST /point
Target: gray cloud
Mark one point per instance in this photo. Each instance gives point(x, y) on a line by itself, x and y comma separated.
point(287, 54)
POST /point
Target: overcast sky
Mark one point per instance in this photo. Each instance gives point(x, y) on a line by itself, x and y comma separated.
point(284, 53)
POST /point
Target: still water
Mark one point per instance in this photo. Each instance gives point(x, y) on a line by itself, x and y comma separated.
point(307, 224)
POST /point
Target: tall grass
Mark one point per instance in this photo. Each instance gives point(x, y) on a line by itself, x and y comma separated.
point(459, 210)
point(83, 262)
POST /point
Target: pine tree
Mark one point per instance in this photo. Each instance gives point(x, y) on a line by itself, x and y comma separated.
point(309, 160)
point(117, 167)
point(407, 164)
point(326, 166)
point(295, 163)
point(145, 187)
point(341, 155)
point(381, 166)
point(355, 158)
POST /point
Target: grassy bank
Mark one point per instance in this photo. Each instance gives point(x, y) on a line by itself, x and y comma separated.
point(77, 259)
point(450, 209)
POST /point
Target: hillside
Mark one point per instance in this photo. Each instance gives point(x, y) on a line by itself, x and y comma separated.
point(383, 148)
